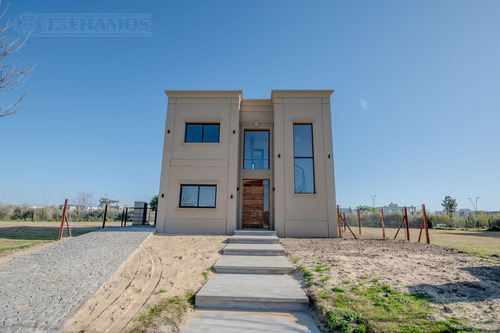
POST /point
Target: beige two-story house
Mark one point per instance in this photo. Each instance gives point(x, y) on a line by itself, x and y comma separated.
point(233, 163)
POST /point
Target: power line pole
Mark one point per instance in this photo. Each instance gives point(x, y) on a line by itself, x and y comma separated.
point(373, 200)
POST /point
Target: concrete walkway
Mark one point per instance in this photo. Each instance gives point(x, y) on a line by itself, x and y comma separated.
point(250, 291)
point(41, 291)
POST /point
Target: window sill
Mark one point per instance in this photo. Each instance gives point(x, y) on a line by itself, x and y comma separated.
point(195, 208)
point(204, 144)
point(306, 194)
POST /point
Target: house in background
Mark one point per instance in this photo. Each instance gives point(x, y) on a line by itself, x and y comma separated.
point(394, 207)
point(232, 163)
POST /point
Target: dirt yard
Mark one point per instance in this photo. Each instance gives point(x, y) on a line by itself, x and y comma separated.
point(20, 238)
point(164, 268)
point(460, 286)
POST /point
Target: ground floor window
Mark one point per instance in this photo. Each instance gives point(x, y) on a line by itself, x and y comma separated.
point(198, 196)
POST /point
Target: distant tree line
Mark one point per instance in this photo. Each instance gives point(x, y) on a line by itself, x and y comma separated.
point(52, 213)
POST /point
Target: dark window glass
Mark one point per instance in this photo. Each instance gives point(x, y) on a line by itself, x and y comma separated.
point(198, 196)
point(256, 154)
point(194, 132)
point(304, 175)
point(302, 139)
point(303, 158)
point(202, 133)
point(211, 133)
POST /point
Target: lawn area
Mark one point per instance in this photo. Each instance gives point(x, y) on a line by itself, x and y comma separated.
point(486, 243)
point(20, 235)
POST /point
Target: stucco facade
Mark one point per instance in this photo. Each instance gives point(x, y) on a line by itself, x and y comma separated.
point(269, 166)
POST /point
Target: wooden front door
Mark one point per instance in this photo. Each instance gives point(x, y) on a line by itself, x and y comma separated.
point(255, 203)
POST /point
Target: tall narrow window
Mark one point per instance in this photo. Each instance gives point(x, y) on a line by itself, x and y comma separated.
point(256, 154)
point(202, 133)
point(303, 158)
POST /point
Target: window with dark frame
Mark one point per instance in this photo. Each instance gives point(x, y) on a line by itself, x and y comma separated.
point(198, 196)
point(303, 158)
point(202, 133)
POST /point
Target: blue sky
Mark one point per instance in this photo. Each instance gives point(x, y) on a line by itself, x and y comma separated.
point(415, 109)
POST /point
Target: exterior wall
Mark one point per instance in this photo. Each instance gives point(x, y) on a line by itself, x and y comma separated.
point(304, 215)
point(199, 163)
point(292, 215)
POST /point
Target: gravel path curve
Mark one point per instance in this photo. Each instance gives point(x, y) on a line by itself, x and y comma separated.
point(41, 291)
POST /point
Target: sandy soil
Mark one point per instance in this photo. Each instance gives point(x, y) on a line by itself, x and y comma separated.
point(163, 266)
point(463, 285)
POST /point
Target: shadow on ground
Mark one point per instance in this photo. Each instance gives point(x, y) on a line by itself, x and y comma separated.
point(487, 288)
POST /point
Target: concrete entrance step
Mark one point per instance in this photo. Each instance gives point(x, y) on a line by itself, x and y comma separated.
point(254, 249)
point(249, 239)
point(253, 264)
point(255, 232)
point(206, 321)
point(252, 291)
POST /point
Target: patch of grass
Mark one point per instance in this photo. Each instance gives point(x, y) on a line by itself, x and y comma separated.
point(138, 291)
point(364, 278)
point(206, 274)
point(169, 311)
point(324, 279)
point(10, 245)
point(377, 307)
point(321, 268)
point(307, 275)
point(162, 291)
point(295, 260)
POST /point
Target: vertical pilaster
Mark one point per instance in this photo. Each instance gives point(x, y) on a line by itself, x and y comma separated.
point(161, 220)
point(331, 203)
point(233, 167)
point(279, 168)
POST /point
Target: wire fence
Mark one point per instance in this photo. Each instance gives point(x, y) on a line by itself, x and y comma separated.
point(379, 224)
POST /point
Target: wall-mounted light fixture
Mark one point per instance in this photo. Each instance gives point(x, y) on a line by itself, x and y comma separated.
point(162, 195)
point(231, 196)
point(234, 131)
point(279, 155)
point(168, 131)
point(256, 123)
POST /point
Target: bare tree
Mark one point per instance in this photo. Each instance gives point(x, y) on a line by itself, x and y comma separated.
point(83, 200)
point(13, 76)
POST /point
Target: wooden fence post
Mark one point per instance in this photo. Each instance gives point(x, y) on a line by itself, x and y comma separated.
point(359, 223)
point(343, 216)
point(406, 225)
point(104, 217)
point(425, 225)
point(64, 219)
point(383, 228)
point(338, 221)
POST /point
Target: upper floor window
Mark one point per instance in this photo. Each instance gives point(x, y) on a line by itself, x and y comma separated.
point(198, 196)
point(303, 158)
point(202, 133)
point(256, 150)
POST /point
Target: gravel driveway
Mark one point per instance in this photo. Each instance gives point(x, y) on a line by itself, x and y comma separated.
point(41, 291)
